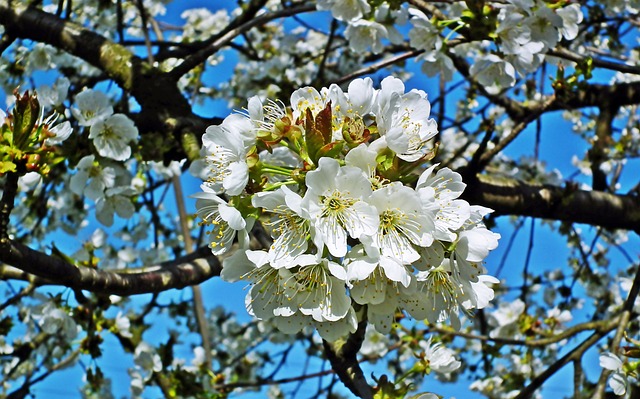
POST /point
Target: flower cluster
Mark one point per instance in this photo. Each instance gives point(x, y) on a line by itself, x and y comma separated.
point(27, 139)
point(357, 230)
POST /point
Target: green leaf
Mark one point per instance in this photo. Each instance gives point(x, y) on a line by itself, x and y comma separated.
point(25, 116)
point(331, 150)
point(386, 160)
point(7, 135)
point(387, 389)
point(7, 166)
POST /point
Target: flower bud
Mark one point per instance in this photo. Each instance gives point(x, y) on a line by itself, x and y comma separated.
point(354, 132)
point(25, 115)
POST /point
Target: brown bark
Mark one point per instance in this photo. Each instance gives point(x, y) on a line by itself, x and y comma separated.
point(568, 204)
point(188, 270)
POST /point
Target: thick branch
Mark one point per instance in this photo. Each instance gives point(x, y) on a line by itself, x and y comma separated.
point(513, 197)
point(567, 54)
point(188, 270)
point(342, 356)
point(30, 23)
point(165, 112)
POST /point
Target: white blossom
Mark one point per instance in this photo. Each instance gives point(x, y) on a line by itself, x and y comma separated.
point(91, 106)
point(116, 200)
point(403, 119)
point(345, 10)
point(225, 220)
point(146, 358)
point(225, 148)
point(54, 95)
point(288, 226)
point(61, 132)
point(402, 223)
point(505, 319)
point(440, 358)
point(494, 73)
point(334, 202)
point(363, 34)
point(617, 379)
point(55, 321)
point(571, 17)
point(111, 136)
point(99, 178)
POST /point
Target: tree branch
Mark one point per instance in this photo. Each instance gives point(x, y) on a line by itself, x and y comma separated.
point(342, 356)
point(165, 112)
point(531, 343)
point(574, 355)
point(567, 54)
point(513, 197)
point(31, 23)
point(201, 55)
point(188, 270)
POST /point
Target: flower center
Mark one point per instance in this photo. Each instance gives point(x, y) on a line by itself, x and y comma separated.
point(388, 221)
point(211, 216)
point(438, 282)
point(335, 204)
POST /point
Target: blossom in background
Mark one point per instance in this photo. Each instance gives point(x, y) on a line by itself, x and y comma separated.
point(91, 106)
point(112, 135)
point(99, 178)
point(345, 10)
point(54, 320)
point(146, 358)
point(440, 359)
point(363, 34)
point(424, 35)
point(494, 73)
point(617, 379)
point(202, 23)
point(54, 95)
point(116, 200)
point(504, 320)
point(571, 17)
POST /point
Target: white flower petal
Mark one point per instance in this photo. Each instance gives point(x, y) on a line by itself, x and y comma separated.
point(232, 216)
point(610, 361)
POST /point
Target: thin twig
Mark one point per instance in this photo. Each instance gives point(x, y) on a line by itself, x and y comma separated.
point(379, 65)
point(244, 384)
point(530, 343)
point(574, 355)
point(198, 302)
point(525, 271)
point(201, 55)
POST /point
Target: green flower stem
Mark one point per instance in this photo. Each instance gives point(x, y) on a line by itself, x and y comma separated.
point(279, 184)
point(276, 170)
